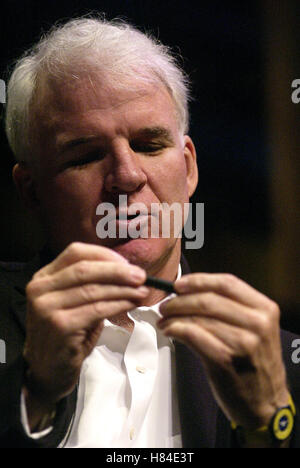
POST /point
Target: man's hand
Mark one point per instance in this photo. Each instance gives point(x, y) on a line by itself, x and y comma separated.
point(235, 329)
point(67, 302)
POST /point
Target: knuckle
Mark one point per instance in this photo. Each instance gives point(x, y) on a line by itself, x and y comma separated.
point(189, 331)
point(40, 273)
point(81, 269)
point(227, 281)
point(98, 308)
point(73, 250)
point(30, 289)
point(74, 247)
point(197, 279)
point(204, 301)
point(57, 322)
point(89, 292)
point(263, 326)
point(33, 288)
point(274, 310)
point(39, 304)
point(249, 343)
point(199, 302)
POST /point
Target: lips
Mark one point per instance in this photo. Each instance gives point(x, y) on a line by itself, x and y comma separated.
point(127, 217)
point(126, 222)
point(131, 212)
point(130, 219)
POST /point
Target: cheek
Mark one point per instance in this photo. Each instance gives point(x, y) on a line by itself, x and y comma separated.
point(70, 192)
point(169, 180)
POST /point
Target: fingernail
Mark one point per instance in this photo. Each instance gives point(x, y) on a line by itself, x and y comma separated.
point(181, 285)
point(137, 274)
point(143, 290)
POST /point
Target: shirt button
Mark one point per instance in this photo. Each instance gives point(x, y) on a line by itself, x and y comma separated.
point(141, 369)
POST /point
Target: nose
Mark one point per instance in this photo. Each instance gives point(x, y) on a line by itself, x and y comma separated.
point(125, 173)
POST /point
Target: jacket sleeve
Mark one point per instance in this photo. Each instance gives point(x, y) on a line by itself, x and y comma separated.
point(12, 333)
point(12, 434)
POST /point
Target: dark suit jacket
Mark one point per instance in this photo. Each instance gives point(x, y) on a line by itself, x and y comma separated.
point(202, 423)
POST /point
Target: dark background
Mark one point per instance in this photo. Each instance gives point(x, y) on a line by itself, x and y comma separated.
point(234, 52)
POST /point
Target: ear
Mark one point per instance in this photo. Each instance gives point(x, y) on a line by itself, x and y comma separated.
point(24, 181)
point(191, 164)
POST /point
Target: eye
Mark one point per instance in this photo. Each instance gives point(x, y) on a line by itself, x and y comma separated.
point(84, 160)
point(146, 147)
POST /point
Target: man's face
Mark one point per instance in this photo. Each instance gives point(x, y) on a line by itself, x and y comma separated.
point(94, 145)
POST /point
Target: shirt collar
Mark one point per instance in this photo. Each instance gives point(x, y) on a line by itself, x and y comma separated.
point(147, 311)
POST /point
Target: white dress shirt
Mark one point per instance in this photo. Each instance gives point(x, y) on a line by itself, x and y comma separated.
point(127, 391)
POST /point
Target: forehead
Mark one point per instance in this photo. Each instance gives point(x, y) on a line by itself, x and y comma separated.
point(80, 105)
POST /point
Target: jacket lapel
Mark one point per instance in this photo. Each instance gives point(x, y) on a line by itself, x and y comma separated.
point(203, 425)
point(197, 407)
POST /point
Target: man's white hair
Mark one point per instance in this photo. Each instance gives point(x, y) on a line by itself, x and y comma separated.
point(113, 51)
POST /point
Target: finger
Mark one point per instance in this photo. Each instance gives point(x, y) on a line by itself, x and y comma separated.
point(80, 251)
point(214, 306)
point(89, 293)
point(197, 338)
point(232, 348)
point(239, 342)
point(223, 284)
point(87, 316)
point(85, 272)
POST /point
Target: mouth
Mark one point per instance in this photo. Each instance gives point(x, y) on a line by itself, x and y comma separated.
point(131, 215)
point(130, 220)
point(132, 212)
point(127, 217)
point(124, 223)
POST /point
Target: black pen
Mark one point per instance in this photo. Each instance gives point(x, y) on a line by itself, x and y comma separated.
point(158, 283)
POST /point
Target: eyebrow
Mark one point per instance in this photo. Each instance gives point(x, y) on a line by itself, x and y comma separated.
point(67, 145)
point(155, 132)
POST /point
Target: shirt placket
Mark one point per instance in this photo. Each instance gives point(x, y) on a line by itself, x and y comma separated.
point(141, 362)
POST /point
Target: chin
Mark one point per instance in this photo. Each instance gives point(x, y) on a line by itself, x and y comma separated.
point(148, 254)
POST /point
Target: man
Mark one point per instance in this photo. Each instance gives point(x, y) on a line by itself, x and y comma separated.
point(95, 111)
